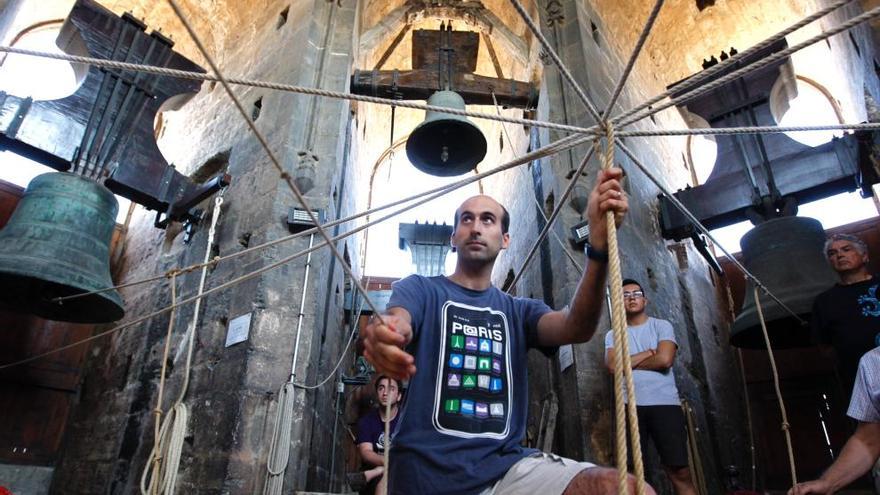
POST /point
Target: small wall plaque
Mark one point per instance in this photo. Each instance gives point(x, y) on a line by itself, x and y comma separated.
point(566, 357)
point(239, 329)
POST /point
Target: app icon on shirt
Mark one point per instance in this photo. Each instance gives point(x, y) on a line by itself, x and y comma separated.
point(469, 381)
point(457, 341)
point(496, 366)
point(456, 360)
point(496, 409)
point(482, 410)
point(470, 362)
point(483, 381)
point(497, 348)
point(453, 380)
point(485, 345)
point(467, 407)
point(470, 344)
point(496, 385)
point(484, 364)
point(451, 406)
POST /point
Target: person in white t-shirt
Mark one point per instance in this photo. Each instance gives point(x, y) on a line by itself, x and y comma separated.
point(652, 346)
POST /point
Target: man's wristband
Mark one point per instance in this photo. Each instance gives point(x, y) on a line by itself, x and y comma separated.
point(596, 254)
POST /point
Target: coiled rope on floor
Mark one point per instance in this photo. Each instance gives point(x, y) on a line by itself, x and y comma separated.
point(161, 469)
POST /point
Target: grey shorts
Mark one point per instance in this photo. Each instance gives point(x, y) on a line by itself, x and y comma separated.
point(547, 474)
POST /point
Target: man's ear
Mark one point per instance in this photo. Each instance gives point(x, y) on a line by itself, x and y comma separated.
point(451, 243)
point(505, 240)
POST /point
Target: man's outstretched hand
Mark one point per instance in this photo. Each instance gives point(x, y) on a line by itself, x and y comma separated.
point(384, 340)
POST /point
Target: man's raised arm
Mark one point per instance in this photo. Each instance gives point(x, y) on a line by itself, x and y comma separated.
point(578, 322)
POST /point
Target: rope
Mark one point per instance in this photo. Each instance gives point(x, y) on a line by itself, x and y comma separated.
point(724, 64)
point(549, 224)
point(157, 438)
point(279, 448)
point(703, 230)
point(785, 425)
point(386, 461)
point(566, 74)
point(772, 129)
point(199, 76)
point(697, 474)
point(540, 210)
point(742, 372)
point(871, 14)
point(284, 175)
point(622, 361)
point(635, 54)
point(165, 454)
point(551, 149)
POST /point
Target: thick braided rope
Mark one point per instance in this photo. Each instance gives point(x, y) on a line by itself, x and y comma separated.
point(200, 76)
point(622, 361)
point(155, 463)
point(849, 24)
point(785, 424)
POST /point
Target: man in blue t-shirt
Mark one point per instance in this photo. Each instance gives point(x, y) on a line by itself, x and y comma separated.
point(652, 348)
point(463, 422)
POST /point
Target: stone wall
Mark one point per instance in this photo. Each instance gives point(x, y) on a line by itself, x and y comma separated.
point(232, 393)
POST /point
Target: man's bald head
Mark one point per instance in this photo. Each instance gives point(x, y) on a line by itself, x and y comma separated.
point(505, 216)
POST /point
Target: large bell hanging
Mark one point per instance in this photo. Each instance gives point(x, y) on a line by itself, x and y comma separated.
point(785, 254)
point(57, 243)
point(446, 144)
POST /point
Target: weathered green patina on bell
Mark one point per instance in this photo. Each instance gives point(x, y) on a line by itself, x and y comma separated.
point(57, 243)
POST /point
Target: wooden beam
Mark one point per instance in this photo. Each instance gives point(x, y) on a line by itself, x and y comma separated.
point(420, 84)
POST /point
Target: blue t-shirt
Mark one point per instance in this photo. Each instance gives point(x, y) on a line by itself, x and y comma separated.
point(464, 414)
point(653, 388)
point(371, 429)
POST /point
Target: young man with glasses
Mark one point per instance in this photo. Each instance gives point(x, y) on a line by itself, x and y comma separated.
point(652, 346)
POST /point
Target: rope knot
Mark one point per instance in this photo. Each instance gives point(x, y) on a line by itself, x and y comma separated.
point(285, 176)
point(785, 426)
point(173, 272)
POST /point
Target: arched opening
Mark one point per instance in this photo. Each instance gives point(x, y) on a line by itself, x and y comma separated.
point(40, 79)
point(807, 103)
point(702, 151)
point(35, 77)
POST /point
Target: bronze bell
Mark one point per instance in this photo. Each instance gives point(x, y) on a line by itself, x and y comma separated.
point(786, 255)
point(57, 243)
point(446, 144)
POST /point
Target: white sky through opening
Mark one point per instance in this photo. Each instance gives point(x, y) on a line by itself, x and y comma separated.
point(383, 257)
point(42, 79)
